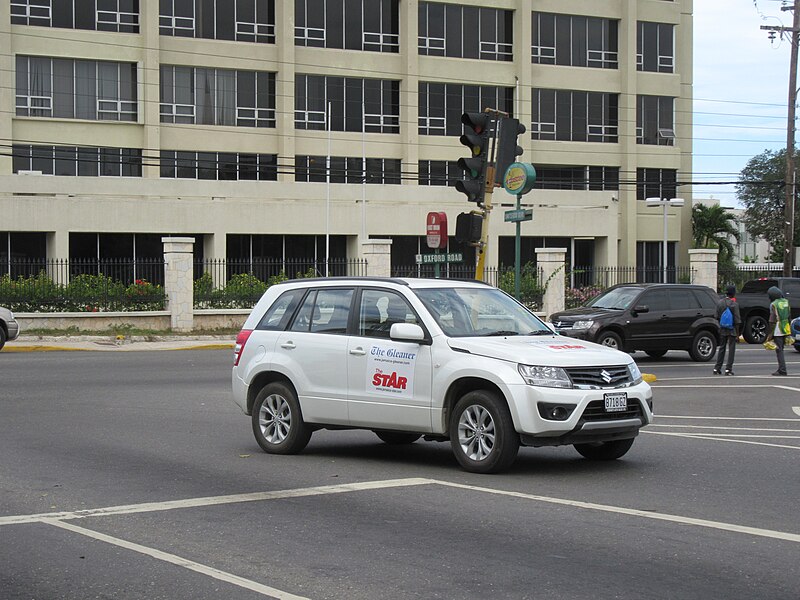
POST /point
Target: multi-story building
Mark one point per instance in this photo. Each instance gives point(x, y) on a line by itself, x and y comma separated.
point(123, 121)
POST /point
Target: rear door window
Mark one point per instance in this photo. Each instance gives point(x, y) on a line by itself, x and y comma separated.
point(324, 311)
point(706, 299)
point(278, 315)
point(682, 299)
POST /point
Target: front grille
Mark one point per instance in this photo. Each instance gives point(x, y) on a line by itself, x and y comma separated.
point(599, 377)
point(595, 411)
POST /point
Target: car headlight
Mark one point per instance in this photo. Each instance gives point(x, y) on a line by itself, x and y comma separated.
point(635, 373)
point(545, 376)
point(582, 324)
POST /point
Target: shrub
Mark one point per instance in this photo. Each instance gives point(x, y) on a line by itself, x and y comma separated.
point(530, 290)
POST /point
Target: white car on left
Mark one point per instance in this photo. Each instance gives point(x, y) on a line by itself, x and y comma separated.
point(9, 328)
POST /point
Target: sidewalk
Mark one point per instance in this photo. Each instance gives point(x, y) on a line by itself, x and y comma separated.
point(106, 343)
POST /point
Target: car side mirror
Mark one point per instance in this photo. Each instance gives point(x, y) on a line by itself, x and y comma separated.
point(408, 332)
point(640, 308)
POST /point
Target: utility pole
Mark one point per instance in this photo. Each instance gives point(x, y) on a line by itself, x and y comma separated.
point(789, 182)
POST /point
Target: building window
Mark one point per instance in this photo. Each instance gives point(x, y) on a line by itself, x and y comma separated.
point(574, 41)
point(459, 31)
point(76, 89)
point(655, 47)
point(369, 25)
point(100, 15)
point(222, 166)
point(575, 116)
point(347, 170)
point(442, 104)
point(22, 253)
point(438, 172)
point(80, 161)
point(370, 105)
point(656, 183)
point(235, 20)
point(654, 120)
point(554, 177)
point(217, 96)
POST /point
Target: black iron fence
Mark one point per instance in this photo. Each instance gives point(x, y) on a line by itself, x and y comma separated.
point(584, 283)
point(232, 283)
point(82, 285)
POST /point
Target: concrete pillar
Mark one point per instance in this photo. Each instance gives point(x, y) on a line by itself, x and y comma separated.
point(378, 254)
point(179, 281)
point(552, 264)
point(703, 264)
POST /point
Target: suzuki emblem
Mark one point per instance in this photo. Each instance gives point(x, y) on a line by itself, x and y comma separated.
point(606, 376)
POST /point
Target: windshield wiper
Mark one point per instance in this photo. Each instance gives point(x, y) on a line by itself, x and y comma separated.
point(541, 332)
point(501, 332)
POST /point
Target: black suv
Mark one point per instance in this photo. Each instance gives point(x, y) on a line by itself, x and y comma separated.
point(654, 317)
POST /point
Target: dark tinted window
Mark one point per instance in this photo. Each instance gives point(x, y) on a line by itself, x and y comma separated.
point(278, 315)
point(792, 288)
point(758, 285)
point(656, 300)
point(682, 299)
point(706, 298)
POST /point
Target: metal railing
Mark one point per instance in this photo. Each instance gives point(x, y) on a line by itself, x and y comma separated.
point(82, 285)
point(584, 283)
point(236, 283)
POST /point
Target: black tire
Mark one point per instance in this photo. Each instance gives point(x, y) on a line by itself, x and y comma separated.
point(755, 329)
point(397, 438)
point(704, 346)
point(482, 433)
point(605, 450)
point(2, 337)
point(610, 339)
point(655, 353)
point(277, 421)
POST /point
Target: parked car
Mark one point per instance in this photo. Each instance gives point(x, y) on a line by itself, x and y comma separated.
point(406, 358)
point(754, 304)
point(9, 328)
point(654, 317)
point(795, 325)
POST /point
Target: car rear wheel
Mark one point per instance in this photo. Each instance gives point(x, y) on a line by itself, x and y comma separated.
point(2, 337)
point(277, 422)
point(610, 339)
point(482, 433)
point(704, 346)
point(755, 329)
point(605, 450)
point(397, 438)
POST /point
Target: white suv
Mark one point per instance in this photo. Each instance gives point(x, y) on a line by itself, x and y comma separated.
point(447, 360)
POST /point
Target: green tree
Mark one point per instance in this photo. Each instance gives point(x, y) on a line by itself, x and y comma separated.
point(761, 191)
point(712, 226)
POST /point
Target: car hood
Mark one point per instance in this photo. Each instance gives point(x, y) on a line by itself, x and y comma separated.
point(550, 350)
point(583, 313)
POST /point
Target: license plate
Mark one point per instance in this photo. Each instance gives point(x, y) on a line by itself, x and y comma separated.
point(615, 402)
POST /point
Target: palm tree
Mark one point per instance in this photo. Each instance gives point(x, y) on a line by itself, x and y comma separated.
point(712, 227)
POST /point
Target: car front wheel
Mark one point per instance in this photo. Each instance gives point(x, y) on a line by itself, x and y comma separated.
point(277, 422)
point(755, 329)
point(704, 346)
point(610, 339)
point(605, 450)
point(482, 433)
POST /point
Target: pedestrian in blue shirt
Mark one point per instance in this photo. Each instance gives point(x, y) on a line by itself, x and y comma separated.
point(730, 321)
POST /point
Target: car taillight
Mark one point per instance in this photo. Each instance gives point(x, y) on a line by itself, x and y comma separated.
point(241, 340)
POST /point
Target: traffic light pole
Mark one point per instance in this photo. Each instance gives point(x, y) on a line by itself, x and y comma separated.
point(483, 245)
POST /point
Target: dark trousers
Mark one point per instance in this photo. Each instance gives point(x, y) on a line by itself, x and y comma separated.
point(779, 344)
point(728, 339)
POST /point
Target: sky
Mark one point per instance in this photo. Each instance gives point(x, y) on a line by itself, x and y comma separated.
point(740, 90)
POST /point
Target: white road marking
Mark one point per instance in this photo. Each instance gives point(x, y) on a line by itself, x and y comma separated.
point(701, 418)
point(754, 531)
point(179, 561)
point(697, 436)
point(211, 501)
point(796, 410)
point(725, 428)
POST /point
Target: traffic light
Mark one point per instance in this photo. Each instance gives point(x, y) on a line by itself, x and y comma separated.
point(468, 227)
point(477, 138)
point(507, 149)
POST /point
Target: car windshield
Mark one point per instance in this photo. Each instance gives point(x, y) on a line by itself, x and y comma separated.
point(469, 311)
point(617, 298)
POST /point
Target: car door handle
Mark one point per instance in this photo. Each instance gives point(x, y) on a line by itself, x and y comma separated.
point(358, 351)
point(288, 346)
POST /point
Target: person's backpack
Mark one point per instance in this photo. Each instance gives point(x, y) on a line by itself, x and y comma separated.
point(726, 318)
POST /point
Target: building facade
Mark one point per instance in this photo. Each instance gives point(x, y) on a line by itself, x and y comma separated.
point(277, 129)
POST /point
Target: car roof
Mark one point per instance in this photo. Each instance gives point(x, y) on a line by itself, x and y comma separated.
point(411, 282)
point(656, 285)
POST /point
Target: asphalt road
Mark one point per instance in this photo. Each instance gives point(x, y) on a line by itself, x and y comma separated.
point(133, 475)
